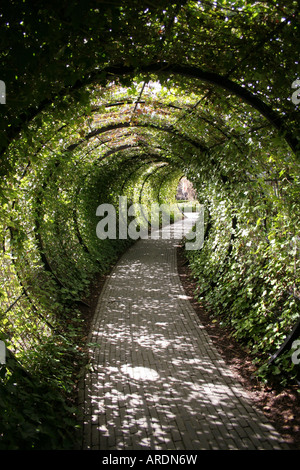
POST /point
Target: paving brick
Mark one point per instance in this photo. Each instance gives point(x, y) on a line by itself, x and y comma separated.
point(156, 379)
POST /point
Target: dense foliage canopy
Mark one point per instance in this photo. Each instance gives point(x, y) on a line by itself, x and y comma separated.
point(115, 98)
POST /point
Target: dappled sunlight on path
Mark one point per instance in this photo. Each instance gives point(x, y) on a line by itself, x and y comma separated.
point(156, 381)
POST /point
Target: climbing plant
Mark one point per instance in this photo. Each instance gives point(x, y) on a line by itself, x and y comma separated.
point(122, 99)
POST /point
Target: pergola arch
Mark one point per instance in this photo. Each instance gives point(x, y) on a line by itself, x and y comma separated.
point(161, 69)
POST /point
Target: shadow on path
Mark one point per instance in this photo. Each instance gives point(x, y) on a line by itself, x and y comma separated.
point(156, 380)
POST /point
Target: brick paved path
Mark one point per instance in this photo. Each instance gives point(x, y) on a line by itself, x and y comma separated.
point(156, 381)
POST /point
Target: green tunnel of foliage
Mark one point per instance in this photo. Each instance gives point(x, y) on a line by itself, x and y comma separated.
point(124, 99)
